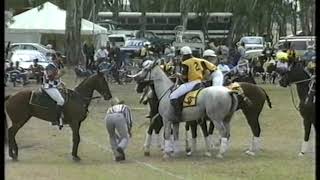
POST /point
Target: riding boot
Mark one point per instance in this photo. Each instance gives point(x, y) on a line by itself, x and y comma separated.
point(59, 113)
point(177, 110)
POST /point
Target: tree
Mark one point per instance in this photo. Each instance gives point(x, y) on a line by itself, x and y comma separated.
point(73, 31)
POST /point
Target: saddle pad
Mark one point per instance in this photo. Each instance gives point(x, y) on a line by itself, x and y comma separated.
point(235, 87)
point(190, 98)
point(42, 99)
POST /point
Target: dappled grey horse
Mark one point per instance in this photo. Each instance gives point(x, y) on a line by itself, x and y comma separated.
point(216, 103)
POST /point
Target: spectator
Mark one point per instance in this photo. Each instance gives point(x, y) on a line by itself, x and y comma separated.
point(23, 73)
point(307, 56)
point(101, 55)
point(37, 71)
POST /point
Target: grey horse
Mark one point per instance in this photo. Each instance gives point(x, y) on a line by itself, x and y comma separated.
point(217, 103)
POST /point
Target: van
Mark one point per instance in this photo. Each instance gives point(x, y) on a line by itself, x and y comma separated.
point(298, 43)
point(252, 42)
point(120, 40)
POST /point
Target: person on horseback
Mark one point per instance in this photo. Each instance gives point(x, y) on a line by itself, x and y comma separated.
point(217, 76)
point(192, 71)
point(51, 82)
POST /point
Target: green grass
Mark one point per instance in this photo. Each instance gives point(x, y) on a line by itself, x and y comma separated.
point(45, 151)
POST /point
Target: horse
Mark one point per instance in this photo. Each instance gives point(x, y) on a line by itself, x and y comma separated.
point(257, 97)
point(20, 110)
point(217, 103)
point(295, 73)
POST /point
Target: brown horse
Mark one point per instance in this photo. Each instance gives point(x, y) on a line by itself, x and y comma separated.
point(19, 110)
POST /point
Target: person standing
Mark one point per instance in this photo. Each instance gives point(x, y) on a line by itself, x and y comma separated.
point(119, 123)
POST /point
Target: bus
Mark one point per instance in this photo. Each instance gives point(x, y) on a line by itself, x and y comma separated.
point(163, 24)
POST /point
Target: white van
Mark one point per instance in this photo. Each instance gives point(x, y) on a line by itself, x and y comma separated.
point(298, 43)
point(252, 42)
point(120, 40)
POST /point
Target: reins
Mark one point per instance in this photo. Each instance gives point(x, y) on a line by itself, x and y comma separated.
point(291, 91)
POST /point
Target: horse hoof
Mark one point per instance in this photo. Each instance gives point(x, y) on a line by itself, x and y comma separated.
point(146, 153)
point(76, 158)
point(301, 154)
point(189, 153)
point(14, 159)
point(219, 156)
point(208, 154)
point(250, 153)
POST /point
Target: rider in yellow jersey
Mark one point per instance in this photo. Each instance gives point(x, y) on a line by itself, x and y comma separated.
point(192, 73)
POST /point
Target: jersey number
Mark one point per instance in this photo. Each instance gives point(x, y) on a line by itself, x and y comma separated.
point(196, 66)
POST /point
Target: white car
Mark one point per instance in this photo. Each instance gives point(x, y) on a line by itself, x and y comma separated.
point(30, 46)
point(26, 57)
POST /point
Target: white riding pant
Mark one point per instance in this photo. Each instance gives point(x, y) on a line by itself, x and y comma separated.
point(217, 78)
point(183, 89)
point(55, 95)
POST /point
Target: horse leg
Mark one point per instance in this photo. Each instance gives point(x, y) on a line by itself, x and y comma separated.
point(193, 126)
point(187, 128)
point(216, 141)
point(76, 140)
point(207, 139)
point(167, 135)
point(224, 130)
point(148, 139)
point(157, 129)
point(252, 116)
point(12, 131)
point(307, 129)
point(176, 144)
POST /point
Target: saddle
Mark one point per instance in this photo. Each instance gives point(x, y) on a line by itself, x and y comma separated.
point(190, 99)
point(41, 99)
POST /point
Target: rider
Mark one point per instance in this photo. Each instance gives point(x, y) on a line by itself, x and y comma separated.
point(145, 51)
point(51, 82)
point(217, 76)
point(192, 70)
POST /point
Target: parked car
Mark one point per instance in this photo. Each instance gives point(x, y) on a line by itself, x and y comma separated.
point(31, 46)
point(26, 57)
point(298, 43)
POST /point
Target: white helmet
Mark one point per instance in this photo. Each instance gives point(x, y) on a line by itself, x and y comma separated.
point(147, 43)
point(209, 53)
point(49, 46)
point(185, 50)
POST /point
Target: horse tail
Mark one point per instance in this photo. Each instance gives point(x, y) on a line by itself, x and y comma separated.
point(6, 122)
point(234, 103)
point(268, 98)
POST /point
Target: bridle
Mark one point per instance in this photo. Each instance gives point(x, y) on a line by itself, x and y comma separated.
point(311, 84)
point(149, 79)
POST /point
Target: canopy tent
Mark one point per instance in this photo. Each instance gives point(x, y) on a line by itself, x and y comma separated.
point(49, 19)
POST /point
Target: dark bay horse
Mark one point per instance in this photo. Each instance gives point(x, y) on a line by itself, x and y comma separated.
point(19, 110)
point(305, 82)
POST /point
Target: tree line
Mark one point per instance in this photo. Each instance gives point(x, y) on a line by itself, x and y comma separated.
point(249, 16)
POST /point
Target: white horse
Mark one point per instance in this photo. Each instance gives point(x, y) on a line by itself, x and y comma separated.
point(217, 103)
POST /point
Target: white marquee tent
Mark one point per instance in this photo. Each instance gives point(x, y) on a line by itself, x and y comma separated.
point(28, 26)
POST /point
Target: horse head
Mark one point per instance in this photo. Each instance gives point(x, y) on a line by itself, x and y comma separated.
point(144, 78)
point(101, 85)
point(291, 72)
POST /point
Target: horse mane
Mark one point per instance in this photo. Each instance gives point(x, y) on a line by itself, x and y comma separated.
point(84, 81)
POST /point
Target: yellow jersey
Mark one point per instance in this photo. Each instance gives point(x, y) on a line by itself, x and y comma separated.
point(195, 68)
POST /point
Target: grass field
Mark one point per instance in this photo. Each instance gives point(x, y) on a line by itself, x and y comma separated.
point(45, 151)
